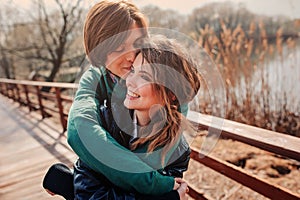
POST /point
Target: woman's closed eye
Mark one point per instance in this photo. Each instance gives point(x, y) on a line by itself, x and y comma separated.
point(144, 75)
point(120, 49)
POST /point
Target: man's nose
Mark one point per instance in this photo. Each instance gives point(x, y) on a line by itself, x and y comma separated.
point(130, 56)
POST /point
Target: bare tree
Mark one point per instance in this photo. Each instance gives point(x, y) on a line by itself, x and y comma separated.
point(43, 38)
point(6, 65)
point(56, 32)
point(163, 18)
point(231, 14)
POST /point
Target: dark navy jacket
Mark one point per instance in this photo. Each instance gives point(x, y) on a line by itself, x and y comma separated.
point(92, 185)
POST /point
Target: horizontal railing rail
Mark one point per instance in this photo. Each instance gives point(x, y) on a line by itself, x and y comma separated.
point(29, 93)
point(278, 143)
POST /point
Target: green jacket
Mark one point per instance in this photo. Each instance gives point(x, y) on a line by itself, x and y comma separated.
point(98, 149)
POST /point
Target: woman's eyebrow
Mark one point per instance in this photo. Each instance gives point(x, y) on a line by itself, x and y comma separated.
point(145, 72)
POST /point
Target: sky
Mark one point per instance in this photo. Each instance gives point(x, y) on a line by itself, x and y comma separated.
point(290, 8)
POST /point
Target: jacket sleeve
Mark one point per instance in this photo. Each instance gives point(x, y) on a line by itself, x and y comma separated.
point(100, 188)
point(112, 193)
point(95, 146)
point(179, 160)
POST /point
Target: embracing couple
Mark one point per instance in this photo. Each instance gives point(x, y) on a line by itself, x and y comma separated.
point(127, 120)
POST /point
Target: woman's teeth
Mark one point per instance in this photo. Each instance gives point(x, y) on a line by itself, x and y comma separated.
point(132, 94)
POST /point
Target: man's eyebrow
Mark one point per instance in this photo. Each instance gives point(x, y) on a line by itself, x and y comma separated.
point(121, 46)
point(138, 41)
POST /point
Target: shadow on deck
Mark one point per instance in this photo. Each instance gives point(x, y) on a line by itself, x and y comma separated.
point(28, 146)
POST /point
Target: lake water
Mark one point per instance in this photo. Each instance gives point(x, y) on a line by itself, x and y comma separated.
point(278, 75)
point(282, 75)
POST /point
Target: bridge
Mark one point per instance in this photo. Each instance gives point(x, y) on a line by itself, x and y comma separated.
point(31, 142)
point(29, 145)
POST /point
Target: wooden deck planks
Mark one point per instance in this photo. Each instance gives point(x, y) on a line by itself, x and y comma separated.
point(28, 147)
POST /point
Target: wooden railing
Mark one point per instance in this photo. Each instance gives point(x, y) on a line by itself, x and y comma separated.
point(29, 93)
point(278, 143)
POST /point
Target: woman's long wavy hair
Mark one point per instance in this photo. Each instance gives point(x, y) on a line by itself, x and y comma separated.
point(177, 81)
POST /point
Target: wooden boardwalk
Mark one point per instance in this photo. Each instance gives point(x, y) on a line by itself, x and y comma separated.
point(28, 146)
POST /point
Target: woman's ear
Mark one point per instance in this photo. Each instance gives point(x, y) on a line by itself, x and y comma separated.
point(172, 97)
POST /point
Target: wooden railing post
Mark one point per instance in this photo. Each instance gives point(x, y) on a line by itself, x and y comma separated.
point(6, 90)
point(10, 91)
point(18, 96)
point(2, 88)
point(60, 109)
point(27, 97)
point(38, 92)
point(13, 92)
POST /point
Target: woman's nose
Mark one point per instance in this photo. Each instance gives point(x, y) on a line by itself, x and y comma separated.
point(130, 80)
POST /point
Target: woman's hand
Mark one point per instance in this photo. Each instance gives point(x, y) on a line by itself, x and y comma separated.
point(183, 189)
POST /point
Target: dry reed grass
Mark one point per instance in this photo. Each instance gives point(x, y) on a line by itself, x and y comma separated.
point(239, 54)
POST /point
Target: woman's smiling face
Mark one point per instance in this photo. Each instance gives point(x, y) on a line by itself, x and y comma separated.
point(141, 94)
